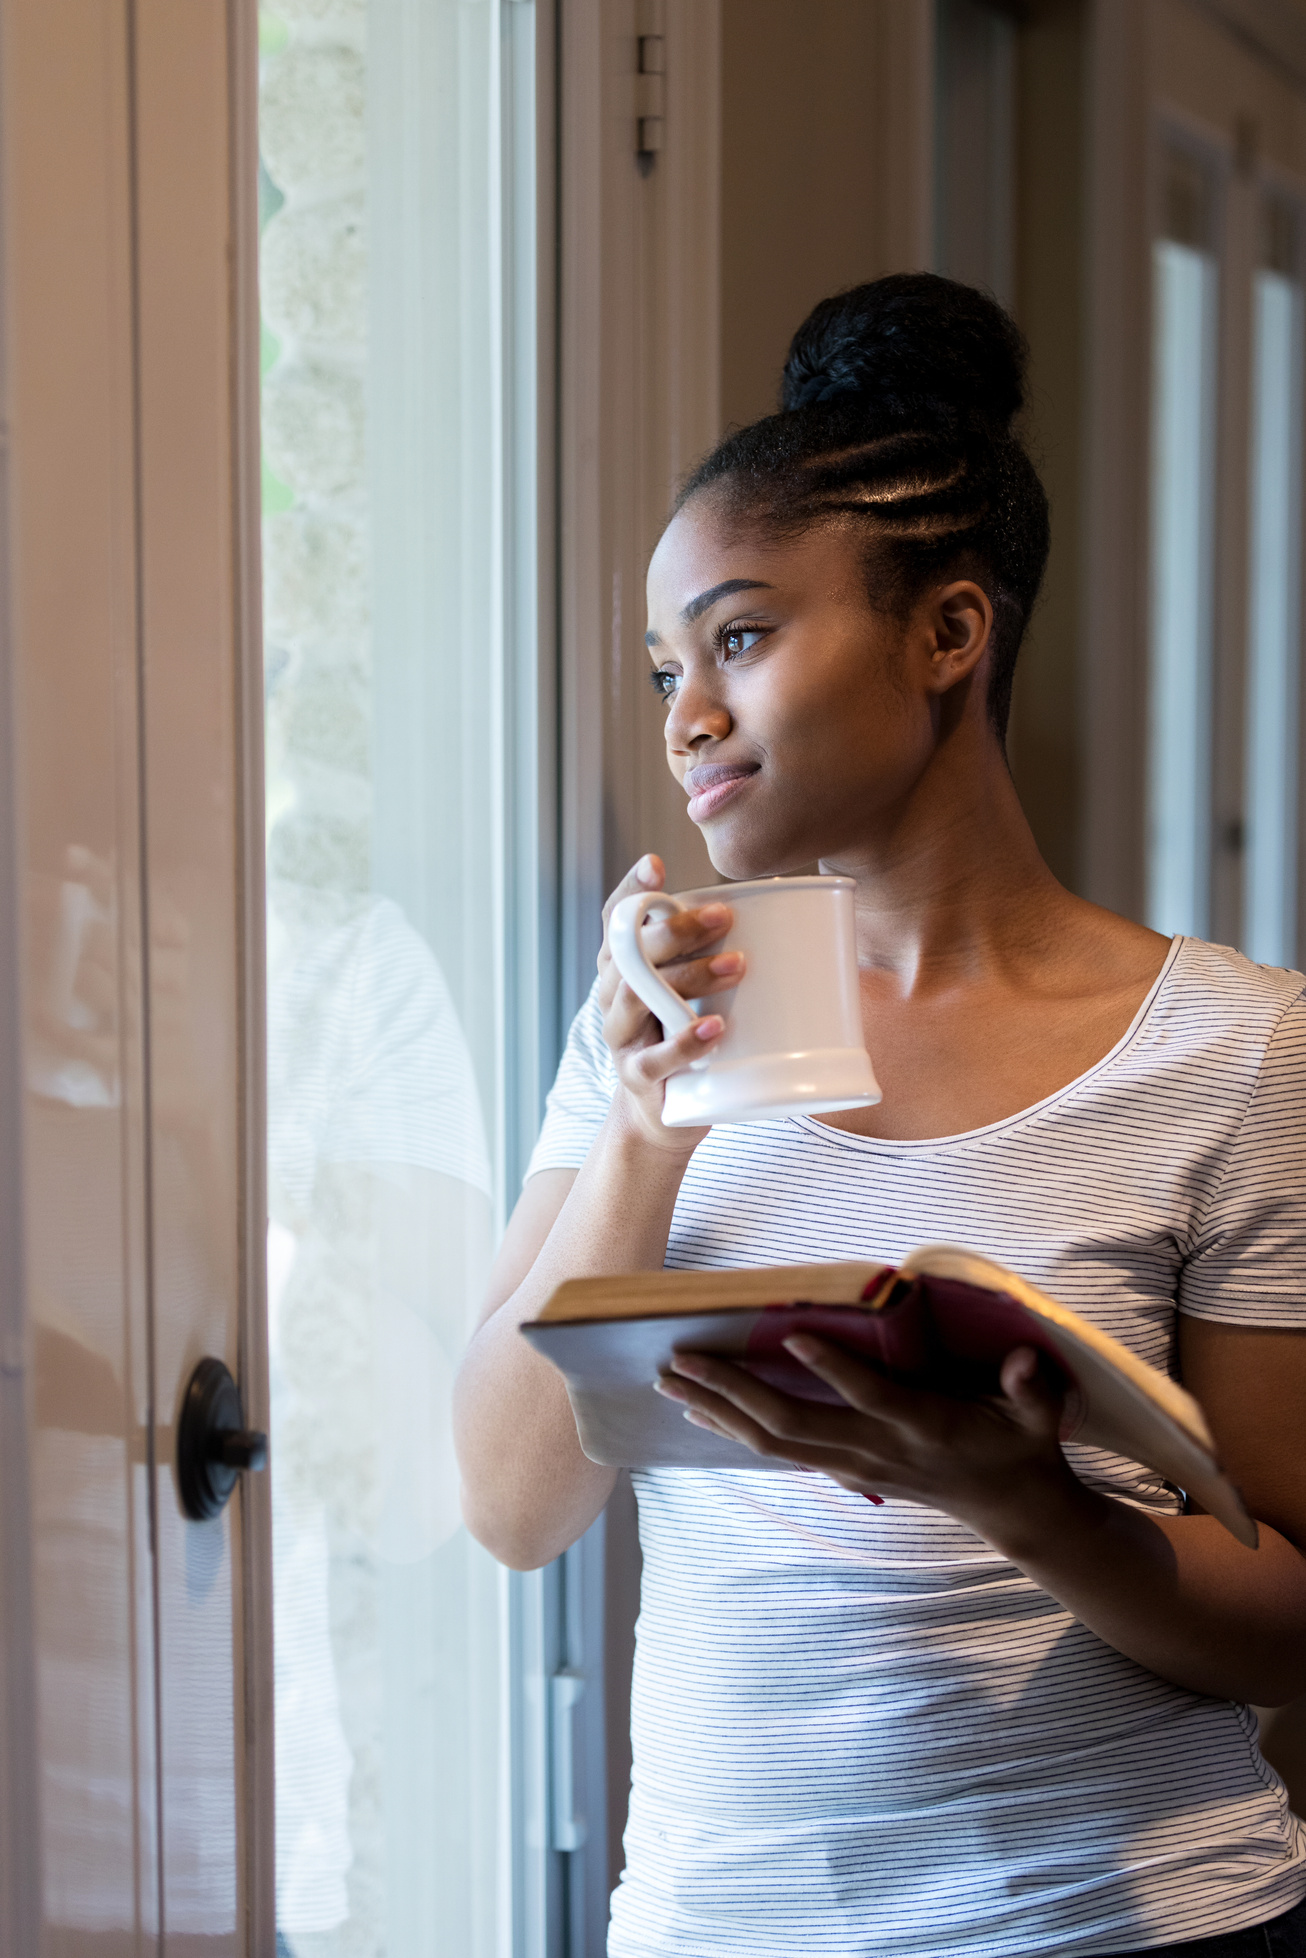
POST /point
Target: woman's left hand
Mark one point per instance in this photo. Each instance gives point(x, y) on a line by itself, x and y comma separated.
point(1177, 1594)
point(981, 1460)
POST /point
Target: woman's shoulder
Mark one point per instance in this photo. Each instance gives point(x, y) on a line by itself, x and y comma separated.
point(1107, 952)
point(1221, 985)
point(1224, 1029)
point(1211, 989)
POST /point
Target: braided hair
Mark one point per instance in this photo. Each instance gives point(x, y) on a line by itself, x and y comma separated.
point(895, 415)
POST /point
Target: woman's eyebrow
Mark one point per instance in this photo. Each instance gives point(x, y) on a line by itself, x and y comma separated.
point(697, 606)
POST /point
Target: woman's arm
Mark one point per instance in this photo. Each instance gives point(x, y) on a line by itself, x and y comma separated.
point(1177, 1594)
point(527, 1489)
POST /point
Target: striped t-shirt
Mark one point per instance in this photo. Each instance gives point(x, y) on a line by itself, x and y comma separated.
point(367, 1061)
point(861, 1733)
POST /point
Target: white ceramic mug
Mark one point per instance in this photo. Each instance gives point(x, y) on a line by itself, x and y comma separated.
point(793, 1038)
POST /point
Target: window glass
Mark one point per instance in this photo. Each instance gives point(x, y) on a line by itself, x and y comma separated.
point(396, 294)
point(1184, 295)
point(1274, 625)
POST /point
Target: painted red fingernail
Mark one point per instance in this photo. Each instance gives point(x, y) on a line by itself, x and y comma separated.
point(877, 1500)
point(709, 1028)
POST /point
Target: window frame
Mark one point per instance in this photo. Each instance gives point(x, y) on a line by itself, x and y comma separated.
point(1178, 136)
point(1137, 99)
point(1274, 182)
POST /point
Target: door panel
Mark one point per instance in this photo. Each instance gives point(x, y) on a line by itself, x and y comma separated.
point(73, 624)
point(126, 641)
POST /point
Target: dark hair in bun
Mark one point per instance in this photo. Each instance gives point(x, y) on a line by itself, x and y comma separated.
point(896, 410)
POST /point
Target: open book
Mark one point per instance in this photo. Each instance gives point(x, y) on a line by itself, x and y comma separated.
point(945, 1319)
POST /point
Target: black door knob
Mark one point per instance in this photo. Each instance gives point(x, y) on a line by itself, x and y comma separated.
point(213, 1443)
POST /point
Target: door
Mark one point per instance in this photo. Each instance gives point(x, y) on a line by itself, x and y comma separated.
point(440, 1723)
point(137, 1737)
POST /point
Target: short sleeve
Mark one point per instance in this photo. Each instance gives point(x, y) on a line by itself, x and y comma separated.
point(580, 1097)
point(1248, 1264)
point(367, 1060)
point(409, 1094)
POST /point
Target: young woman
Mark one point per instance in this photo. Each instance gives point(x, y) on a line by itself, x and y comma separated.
point(1005, 1711)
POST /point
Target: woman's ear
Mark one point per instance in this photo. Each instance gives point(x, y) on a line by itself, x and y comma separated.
point(960, 620)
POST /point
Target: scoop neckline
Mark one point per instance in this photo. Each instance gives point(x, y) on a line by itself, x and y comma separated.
point(883, 1145)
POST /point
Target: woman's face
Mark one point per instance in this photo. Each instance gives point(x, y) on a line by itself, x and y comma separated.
point(798, 718)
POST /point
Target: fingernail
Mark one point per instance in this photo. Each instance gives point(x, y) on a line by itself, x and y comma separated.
point(672, 1390)
point(801, 1347)
point(687, 1363)
point(726, 962)
point(699, 1420)
point(877, 1500)
point(713, 914)
point(644, 870)
point(709, 1028)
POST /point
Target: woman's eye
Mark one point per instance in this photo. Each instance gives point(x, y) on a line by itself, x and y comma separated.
point(664, 683)
point(740, 639)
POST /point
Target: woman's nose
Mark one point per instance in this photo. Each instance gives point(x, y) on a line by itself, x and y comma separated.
point(696, 715)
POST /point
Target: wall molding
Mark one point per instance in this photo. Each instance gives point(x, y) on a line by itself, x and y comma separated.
point(905, 114)
point(1273, 29)
point(1114, 638)
point(638, 381)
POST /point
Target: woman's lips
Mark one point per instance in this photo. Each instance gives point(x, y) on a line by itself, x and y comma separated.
point(711, 786)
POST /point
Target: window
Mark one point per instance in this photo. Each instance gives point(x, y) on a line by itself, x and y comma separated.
point(406, 998)
point(1184, 305)
point(1274, 611)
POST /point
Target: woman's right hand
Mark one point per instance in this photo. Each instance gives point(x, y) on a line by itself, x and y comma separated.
point(681, 947)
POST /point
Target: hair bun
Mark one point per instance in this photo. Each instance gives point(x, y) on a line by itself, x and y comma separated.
point(916, 348)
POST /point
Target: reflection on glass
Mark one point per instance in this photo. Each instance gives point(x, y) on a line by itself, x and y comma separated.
point(380, 419)
point(1274, 628)
point(1179, 678)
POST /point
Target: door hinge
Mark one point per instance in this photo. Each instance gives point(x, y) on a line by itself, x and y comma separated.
point(567, 1827)
point(650, 79)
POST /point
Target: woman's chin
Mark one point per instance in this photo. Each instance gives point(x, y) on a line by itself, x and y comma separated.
point(743, 857)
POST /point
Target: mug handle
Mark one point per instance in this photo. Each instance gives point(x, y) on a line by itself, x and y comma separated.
point(644, 980)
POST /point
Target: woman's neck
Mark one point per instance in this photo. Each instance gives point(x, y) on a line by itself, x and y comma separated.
point(951, 883)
